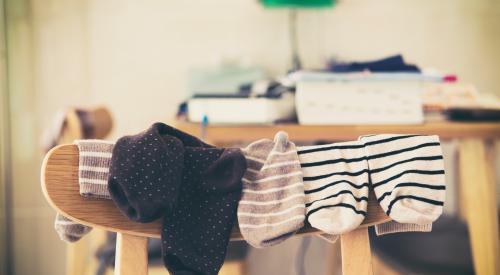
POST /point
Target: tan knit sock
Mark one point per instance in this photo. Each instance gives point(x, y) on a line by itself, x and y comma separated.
point(272, 205)
point(93, 171)
point(68, 230)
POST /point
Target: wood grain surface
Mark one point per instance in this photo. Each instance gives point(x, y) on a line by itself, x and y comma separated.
point(219, 134)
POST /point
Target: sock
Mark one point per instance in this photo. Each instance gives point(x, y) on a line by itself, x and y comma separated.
point(407, 175)
point(146, 173)
point(272, 205)
point(336, 186)
point(196, 235)
point(93, 167)
point(68, 230)
point(194, 186)
point(93, 170)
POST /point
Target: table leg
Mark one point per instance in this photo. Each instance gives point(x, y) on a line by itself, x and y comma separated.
point(478, 192)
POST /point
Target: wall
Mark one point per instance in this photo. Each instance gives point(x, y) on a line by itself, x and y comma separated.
point(133, 56)
point(136, 53)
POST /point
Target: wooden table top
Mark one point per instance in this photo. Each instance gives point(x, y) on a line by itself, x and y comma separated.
point(296, 132)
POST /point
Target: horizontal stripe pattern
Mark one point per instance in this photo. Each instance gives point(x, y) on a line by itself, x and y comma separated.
point(93, 168)
point(272, 206)
point(260, 225)
point(336, 185)
point(276, 189)
point(407, 175)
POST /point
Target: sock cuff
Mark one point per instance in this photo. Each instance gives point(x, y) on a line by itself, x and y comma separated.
point(395, 227)
point(93, 167)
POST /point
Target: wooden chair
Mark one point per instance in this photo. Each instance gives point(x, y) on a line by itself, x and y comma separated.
point(59, 179)
point(98, 124)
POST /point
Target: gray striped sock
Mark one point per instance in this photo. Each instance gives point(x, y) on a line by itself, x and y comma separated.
point(68, 230)
point(272, 205)
point(93, 169)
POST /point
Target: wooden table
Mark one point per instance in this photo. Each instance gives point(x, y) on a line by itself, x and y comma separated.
point(475, 164)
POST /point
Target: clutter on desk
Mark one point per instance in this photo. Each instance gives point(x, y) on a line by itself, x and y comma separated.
point(459, 102)
point(393, 63)
point(271, 187)
point(361, 97)
point(384, 91)
point(239, 95)
point(223, 79)
point(242, 110)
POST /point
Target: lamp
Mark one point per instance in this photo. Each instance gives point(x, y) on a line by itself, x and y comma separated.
point(294, 5)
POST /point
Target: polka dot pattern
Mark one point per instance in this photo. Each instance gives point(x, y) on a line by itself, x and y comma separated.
point(145, 174)
point(195, 237)
point(195, 187)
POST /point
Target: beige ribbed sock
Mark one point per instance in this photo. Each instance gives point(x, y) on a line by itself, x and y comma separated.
point(68, 230)
point(93, 167)
point(93, 171)
point(272, 205)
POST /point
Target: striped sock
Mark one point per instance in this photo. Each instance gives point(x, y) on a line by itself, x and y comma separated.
point(272, 205)
point(407, 175)
point(93, 171)
point(68, 230)
point(93, 167)
point(336, 186)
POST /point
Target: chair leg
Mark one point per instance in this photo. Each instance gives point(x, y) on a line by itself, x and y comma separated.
point(77, 257)
point(131, 255)
point(356, 254)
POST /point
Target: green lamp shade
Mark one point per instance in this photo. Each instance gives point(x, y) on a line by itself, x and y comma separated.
point(297, 3)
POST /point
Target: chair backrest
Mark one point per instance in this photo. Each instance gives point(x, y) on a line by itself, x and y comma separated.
point(79, 124)
point(59, 179)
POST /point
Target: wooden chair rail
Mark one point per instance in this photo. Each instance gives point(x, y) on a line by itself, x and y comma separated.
point(59, 178)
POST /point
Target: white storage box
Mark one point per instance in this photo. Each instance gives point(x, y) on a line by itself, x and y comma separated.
point(241, 110)
point(367, 102)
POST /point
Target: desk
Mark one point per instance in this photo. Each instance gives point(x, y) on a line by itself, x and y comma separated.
point(475, 165)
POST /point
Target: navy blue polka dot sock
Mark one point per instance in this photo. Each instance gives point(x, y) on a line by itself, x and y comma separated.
point(146, 172)
point(195, 186)
point(196, 235)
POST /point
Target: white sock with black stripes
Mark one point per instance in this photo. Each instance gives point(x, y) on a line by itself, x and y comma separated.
point(407, 175)
point(336, 186)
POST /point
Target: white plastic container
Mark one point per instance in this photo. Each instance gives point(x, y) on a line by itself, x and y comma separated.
point(241, 110)
point(352, 102)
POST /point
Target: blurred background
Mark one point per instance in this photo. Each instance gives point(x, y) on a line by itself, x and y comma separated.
point(142, 59)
